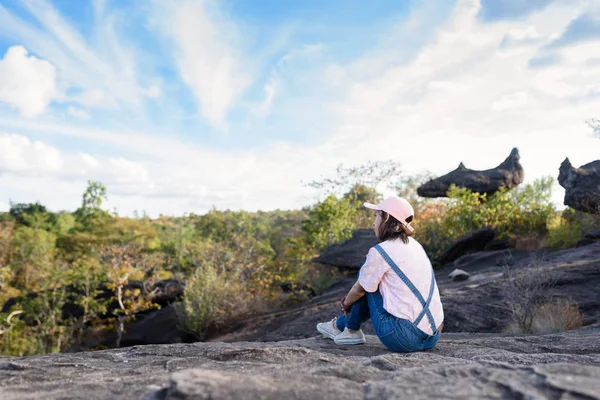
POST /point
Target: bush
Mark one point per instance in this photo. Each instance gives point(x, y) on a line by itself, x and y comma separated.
point(519, 212)
point(533, 308)
point(563, 231)
point(558, 315)
point(211, 301)
point(525, 291)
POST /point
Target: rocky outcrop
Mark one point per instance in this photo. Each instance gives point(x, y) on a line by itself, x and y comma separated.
point(582, 186)
point(469, 243)
point(589, 238)
point(473, 366)
point(508, 174)
point(350, 254)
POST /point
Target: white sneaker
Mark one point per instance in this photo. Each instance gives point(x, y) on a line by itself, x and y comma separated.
point(346, 337)
point(329, 329)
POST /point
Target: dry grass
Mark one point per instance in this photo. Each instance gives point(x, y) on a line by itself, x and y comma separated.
point(527, 294)
point(558, 315)
point(531, 242)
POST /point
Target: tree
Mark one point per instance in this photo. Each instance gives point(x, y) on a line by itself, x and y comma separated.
point(33, 215)
point(91, 206)
point(368, 175)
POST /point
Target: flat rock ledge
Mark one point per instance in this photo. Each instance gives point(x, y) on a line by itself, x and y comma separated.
point(463, 365)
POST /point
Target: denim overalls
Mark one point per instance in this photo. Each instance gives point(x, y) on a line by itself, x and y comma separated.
point(397, 334)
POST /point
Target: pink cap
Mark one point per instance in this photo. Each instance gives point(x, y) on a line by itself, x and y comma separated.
point(397, 207)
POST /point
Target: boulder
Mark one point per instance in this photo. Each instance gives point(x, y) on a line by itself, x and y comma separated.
point(508, 174)
point(589, 238)
point(582, 186)
point(458, 275)
point(469, 243)
point(350, 254)
point(465, 366)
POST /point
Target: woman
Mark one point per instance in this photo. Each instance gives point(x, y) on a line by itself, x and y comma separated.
point(396, 288)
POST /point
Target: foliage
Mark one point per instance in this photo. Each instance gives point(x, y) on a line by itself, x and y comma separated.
point(233, 263)
point(211, 300)
point(330, 221)
point(28, 214)
point(512, 214)
point(563, 230)
point(91, 206)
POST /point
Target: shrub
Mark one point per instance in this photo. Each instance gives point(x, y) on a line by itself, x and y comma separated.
point(563, 231)
point(525, 291)
point(533, 308)
point(211, 301)
point(557, 315)
point(519, 212)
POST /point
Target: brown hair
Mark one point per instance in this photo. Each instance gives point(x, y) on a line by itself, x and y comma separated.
point(392, 228)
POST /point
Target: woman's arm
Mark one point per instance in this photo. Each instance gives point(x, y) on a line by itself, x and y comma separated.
point(354, 295)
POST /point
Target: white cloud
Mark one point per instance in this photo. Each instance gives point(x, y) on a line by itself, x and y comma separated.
point(78, 112)
point(26, 82)
point(206, 55)
point(521, 37)
point(19, 155)
point(153, 91)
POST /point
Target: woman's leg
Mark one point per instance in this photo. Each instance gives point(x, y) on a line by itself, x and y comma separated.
point(358, 315)
point(385, 325)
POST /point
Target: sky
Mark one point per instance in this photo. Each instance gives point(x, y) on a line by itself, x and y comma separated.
point(182, 106)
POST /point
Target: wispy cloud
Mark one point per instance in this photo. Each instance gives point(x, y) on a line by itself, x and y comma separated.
point(207, 53)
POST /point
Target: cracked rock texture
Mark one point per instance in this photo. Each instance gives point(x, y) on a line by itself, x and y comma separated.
point(557, 366)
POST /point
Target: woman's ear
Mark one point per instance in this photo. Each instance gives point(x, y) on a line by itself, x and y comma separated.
point(387, 216)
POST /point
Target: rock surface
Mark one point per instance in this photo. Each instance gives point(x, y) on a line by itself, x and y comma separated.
point(472, 366)
point(582, 186)
point(350, 254)
point(469, 243)
point(508, 174)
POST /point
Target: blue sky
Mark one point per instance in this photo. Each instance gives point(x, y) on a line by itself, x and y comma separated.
point(179, 106)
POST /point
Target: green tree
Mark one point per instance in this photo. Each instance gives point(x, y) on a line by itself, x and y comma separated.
point(91, 206)
point(34, 252)
point(33, 215)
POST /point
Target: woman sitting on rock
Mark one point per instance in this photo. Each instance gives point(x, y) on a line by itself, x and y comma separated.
point(396, 288)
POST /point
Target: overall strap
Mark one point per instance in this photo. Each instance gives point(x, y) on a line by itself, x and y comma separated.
point(413, 289)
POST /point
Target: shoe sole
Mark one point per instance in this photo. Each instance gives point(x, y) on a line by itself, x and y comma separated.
point(325, 333)
point(350, 341)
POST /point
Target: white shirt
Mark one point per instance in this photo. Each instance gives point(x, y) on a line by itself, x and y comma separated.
point(398, 299)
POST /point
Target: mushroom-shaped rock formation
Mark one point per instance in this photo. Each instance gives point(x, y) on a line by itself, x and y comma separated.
point(582, 186)
point(350, 254)
point(508, 174)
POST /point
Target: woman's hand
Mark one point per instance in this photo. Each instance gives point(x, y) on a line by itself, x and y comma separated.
point(345, 309)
